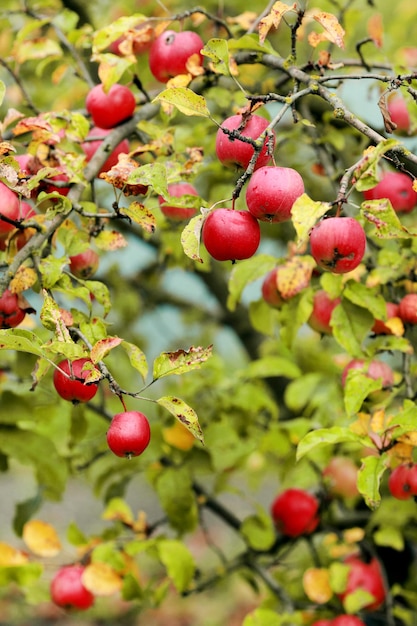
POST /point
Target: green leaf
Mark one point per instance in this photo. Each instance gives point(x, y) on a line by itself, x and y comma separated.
point(389, 536)
point(174, 488)
point(51, 318)
point(190, 238)
point(356, 600)
point(23, 575)
point(152, 175)
point(24, 511)
point(217, 50)
point(20, 340)
point(112, 67)
point(338, 577)
point(298, 393)
point(180, 362)
point(258, 530)
point(227, 449)
point(2, 91)
point(178, 562)
point(369, 479)
point(75, 536)
point(326, 437)
point(351, 325)
point(101, 293)
point(357, 388)
point(268, 617)
point(105, 36)
point(251, 42)
point(271, 366)
point(305, 213)
point(246, 272)
point(366, 174)
point(386, 224)
point(365, 297)
point(185, 100)
point(51, 269)
point(136, 357)
point(184, 414)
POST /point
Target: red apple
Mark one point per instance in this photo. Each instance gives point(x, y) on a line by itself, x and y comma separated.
point(396, 187)
point(341, 474)
point(380, 326)
point(338, 244)
point(9, 207)
point(171, 209)
point(295, 512)
point(272, 191)
point(231, 235)
point(366, 576)
point(129, 434)
point(399, 483)
point(108, 109)
point(407, 309)
point(347, 620)
point(270, 291)
point(233, 152)
point(11, 313)
point(322, 622)
point(397, 109)
point(67, 589)
point(84, 264)
point(374, 369)
point(170, 53)
point(91, 147)
point(323, 307)
point(69, 380)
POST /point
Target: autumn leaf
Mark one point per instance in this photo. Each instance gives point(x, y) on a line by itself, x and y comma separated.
point(316, 584)
point(375, 29)
point(295, 275)
point(103, 347)
point(101, 579)
point(24, 278)
point(180, 361)
point(118, 177)
point(10, 556)
point(334, 32)
point(41, 538)
point(273, 19)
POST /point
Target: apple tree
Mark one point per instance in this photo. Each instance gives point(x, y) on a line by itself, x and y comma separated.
point(208, 295)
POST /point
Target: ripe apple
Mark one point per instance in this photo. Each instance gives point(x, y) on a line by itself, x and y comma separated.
point(366, 576)
point(374, 369)
point(272, 191)
point(47, 185)
point(338, 244)
point(396, 187)
point(171, 51)
point(68, 381)
point(407, 309)
point(323, 307)
point(295, 512)
point(397, 109)
point(380, 326)
point(270, 291)
point(91, 147)
point(11, 313)
point(84, 264)
point(235, 153)
point(402, 482)
point(171, 210)
point(67, 589)
point(322, 622)
point(347, 620)
point(108, 109)
point(231, 235)
point(9, 207)
point(341, 475)
point(20, 236)
point(129, 434)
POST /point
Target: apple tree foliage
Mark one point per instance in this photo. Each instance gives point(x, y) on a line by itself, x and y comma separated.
point(243, 399)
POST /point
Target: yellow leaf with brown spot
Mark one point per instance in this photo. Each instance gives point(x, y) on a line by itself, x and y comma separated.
point(334, 30)
point(11, 556)
point(294, 275)
point(24, 278)
point(316, 585)
point(273, 19)
point(409, 438)
point(41, 538)
point(101, 579)
point(110, 240)
point(401, 453)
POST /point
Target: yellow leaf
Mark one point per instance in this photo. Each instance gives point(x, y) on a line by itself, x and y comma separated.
point(294, 276)
point(24, 278)
point(396, 326)
point(375, 29)
point(273, 19)
point(41, 538)
point(244, 20)
point(10, 556)
point(317, 585)
point(101, 579)
point(334, 31)
point(409, 438)
point(354, 535)
point(178, 436)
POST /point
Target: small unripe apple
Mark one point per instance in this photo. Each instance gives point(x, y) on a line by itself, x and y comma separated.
point(323, 307)
point(397, 187)
point(233, 152)
point(170, 53)
point(338, 244)
point(67, 589)
point(231, 235)
point(366, 576)
point(171, 210)
point(341, 475)
point(108, 109)
point(129, 434)
point(91, 147)
point(295, 512)
point(84, 264)
point(272, 191)
point(407, 308)
point(374, 369)
point(69, 381)
point(397, 109)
